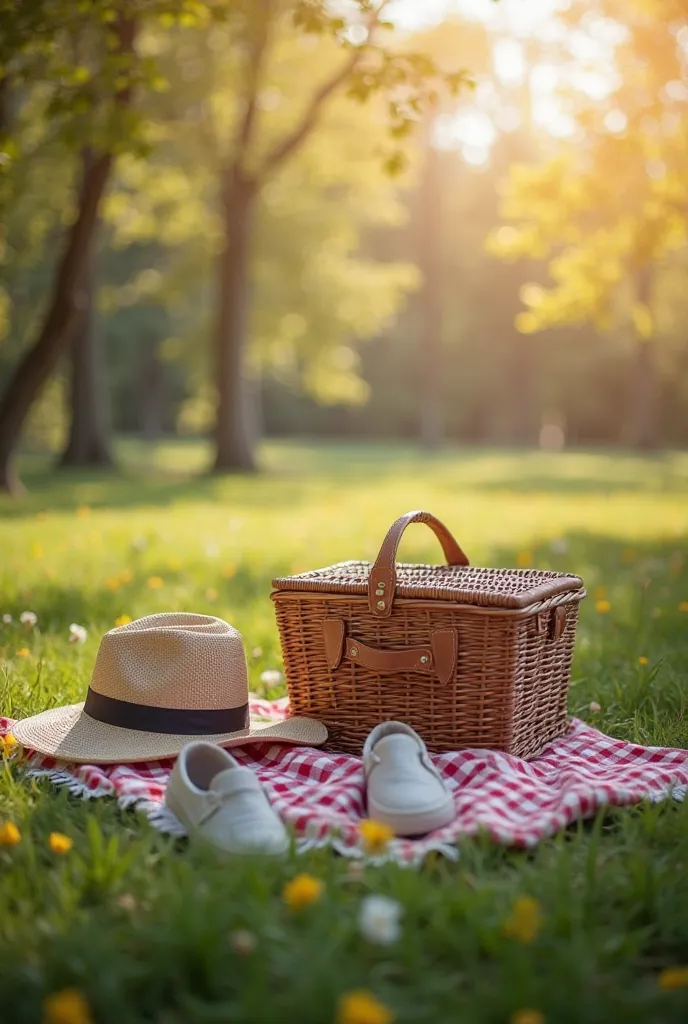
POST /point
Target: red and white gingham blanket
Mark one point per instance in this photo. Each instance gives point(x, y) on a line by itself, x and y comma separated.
point(322, 794)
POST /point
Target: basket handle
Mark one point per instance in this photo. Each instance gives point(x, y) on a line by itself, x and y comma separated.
point(436, 658)
point(383, 576)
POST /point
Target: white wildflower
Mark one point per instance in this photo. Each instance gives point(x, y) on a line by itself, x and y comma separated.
point(355, 871)
point(7, 618)
point(271, 677)
point(559, 546)
point(379, 920)
point(242, 941)
point(28, 619)
point(212, 549)
point(139, 543)
point(257, 652)
point(595, 707)
point(77, 634)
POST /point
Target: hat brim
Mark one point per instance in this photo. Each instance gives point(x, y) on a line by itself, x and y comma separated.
point(69, 734)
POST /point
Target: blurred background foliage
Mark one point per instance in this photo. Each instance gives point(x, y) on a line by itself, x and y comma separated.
point(501, 264)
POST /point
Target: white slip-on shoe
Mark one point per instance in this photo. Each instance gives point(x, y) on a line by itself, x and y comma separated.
point(405, 790)
point(216, 798)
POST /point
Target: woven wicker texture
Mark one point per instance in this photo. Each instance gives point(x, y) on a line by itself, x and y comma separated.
point(180, 661)
point(490, 588)
point(507, 690)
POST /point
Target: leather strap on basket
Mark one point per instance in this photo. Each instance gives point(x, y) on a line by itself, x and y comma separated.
point(553, 623)
point(383, 575)
point(438, 658)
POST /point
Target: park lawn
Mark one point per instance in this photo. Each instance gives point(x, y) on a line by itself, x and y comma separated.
point(145, 927)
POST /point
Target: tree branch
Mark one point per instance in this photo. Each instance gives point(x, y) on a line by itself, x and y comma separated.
point(4, 102)
point(292, 140)
point(247, 122)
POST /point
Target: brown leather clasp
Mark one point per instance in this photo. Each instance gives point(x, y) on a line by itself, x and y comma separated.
point(552, 624)
point(383, 575)
point(333, 632)
point(557, 622)
point(438, 658)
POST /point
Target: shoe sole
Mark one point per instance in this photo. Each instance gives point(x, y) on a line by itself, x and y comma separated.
point(242, 851)
point(414, 823)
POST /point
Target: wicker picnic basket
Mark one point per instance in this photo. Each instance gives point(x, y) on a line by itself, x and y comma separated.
point(468, 657)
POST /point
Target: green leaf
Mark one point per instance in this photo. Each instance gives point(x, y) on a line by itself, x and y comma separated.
point(395, 164)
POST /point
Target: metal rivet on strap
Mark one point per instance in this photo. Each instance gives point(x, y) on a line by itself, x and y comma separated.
point(381, 605)
point(353, 652)
point(382, 585)
point(424, 659)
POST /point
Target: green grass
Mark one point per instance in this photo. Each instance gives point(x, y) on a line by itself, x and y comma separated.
point(143, 925)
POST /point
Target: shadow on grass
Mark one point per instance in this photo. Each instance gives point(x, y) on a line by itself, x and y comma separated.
point(174, 472)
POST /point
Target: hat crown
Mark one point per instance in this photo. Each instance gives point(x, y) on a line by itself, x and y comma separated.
point(173, 660)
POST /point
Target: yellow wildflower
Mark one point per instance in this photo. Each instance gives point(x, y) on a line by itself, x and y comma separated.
point(525, 920)
point(23, 652)
point(156, 583)
point(683, 606)
point(211, 595)
point(229, 571)
point(122, 620)
point(527, 1017)
point(375, 835)
point(302, 890)
point(66, 1007)
point(83, 511)
point(125, 576)
point(113, 583)
point(60, 843)
point(8, 743)
point(362, 1007)
point(9, 834)
point(672, 978)
point(524, 559)
point(37, 550)
point(642, 660)
point(603, 606)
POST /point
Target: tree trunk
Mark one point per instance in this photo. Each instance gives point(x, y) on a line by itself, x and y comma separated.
point(234, 448)
point(644, 424)
point(430, 299)
point(645, 386)
point(152, 394)
point(524, 413)
point(88, 443)
point(4, 102)
point(64, 312)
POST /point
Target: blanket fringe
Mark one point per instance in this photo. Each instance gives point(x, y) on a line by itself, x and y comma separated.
point(66, 781)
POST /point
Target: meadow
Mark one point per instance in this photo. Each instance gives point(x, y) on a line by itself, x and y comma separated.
point(145, 928)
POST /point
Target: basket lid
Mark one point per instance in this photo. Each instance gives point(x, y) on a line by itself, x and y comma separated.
point(463, 584)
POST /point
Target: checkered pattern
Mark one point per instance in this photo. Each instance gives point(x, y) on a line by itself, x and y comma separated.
point(322, 794)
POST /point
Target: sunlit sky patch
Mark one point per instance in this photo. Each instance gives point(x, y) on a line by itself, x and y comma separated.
point(514, 23)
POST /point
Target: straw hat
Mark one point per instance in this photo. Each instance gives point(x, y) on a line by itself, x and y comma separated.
point(158, 683)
